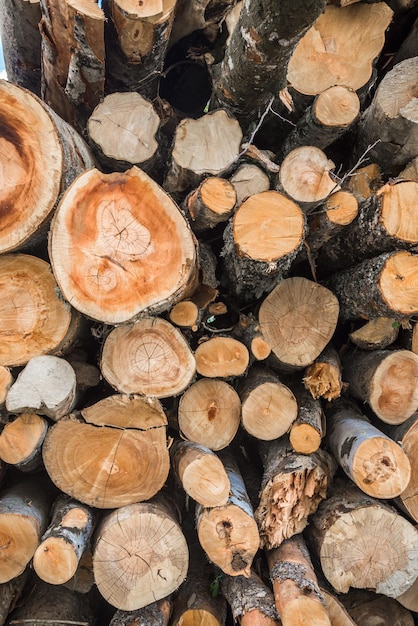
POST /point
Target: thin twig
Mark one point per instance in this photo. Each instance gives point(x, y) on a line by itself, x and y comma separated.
point(257, 128)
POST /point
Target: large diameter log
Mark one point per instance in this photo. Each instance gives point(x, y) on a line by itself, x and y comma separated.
point(40, 155)
point(292, 487)
point(328, 54)
point(140, 554)
point(298, 319)
point(269, 407)
point(296, 591)
point(137, 36)
point(123, 131)
point(209, 413)
point(229, 534)
point(21, 441)
point(386, 221)
point(127, 232)
point(207, 146)
point(386, 380)
point(200, 472)
point(259, 49)
point(116, 455)
point(363, 542)
point(332, 114)
point(47, 385)
point(385, 285)
point(72, 58)
point(154, 614)
point(260, 243)
point(21, 43)
point(251, 601)
point(391, 119)
point(62, 545)
point(376, 463)
point(149, 357)
point(305, 177)
point(45, 324)
point(24, 516)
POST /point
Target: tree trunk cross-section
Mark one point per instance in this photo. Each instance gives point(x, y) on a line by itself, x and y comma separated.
point(119, 246)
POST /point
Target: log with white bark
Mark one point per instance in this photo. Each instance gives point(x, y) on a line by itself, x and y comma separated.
point(140, 554)
point(373, 461)
point(113, 232)
point(363, 542)
point(113, 454)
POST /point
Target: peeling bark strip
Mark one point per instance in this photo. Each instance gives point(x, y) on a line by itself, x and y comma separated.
point(114, 454)
point(373, 461)
point(137, 36)
point(350, 522)
point(72, 58)
point(140, 554)
point(259, 50)
point(21, 42)
point(114, 232)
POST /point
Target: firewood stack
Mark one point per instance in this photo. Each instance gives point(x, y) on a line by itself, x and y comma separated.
point(208, 340)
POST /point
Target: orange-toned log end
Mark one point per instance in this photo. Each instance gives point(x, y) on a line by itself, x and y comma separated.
point(219, 195)
point(55, 561)
point(399, 210)
point(304, 438)
point(257, 618)
point(323, 380)
point(31, 162)
point(119, 246)
point(337, 106)
point(398, 283)
point(341, 208)
point(221, 357)
point(6, 380)
point(20, 437)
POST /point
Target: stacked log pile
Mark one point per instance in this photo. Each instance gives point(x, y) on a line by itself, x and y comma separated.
point(208, 304)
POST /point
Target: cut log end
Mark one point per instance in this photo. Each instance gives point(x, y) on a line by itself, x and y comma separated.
point(337, 106)
point(305, 175)
point(55, 561)
point(304, 438)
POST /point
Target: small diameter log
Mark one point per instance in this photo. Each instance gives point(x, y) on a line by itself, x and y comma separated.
point(248, 180)
point(323, 377)
point(53, 605)
point(149, 357)
point(209, 413)
point(210, 204)
point(123, 131)
point(57, 557)
point(366, 607)
point(113, 232)
point(47, 385)
point(229, 534)
point(327, 221)
point(386, 379)
point(198, 600)
point(140, 554)
point(248, 331)
point(305, 177)
point(45, 324)
point(308, 428)
point(21, 43)
point(251, 601)
point(363, 542)
point(10, 594)
point(72, 58)
point(21, 441)
point(373, 461)
point(386, 221)
point(154, 614)
point(298, 319)
point(200, 472)
point(383, 286)
point(24, 516)
point(377, 334)
point(328, 54)
point(40, 156)
point(221, 357)
point(268, 406)
point(392, 119)
point(260, 243)
point(292, 487)
point(297, 595)
point(332, 114)
point(207, 146)
point(113, 455)
point(406, 435)
point(137, 37)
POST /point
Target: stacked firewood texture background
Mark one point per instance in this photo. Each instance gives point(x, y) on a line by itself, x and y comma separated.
point(208, 306)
